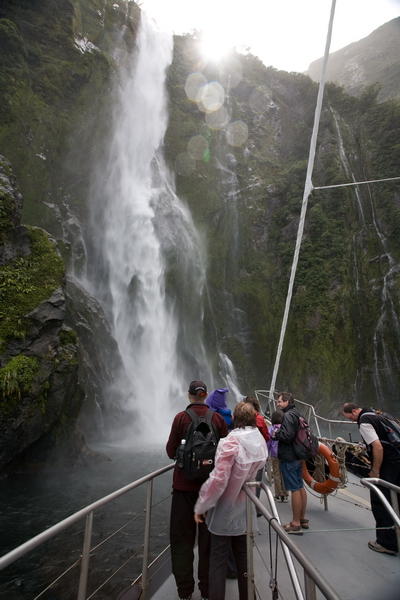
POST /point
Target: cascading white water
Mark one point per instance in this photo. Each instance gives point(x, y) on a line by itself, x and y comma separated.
point(386, 361)
point(140, 225)
point(346, 166)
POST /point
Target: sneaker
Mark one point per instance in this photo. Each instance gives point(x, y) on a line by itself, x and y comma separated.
point(378, 548)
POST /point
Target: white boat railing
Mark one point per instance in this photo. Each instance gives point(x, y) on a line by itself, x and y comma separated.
point(323, 426)
point(87, 513)
point(393, 509)
point(140, 587)
point(312, 578)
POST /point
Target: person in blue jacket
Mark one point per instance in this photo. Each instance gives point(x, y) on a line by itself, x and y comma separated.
point(217, 401)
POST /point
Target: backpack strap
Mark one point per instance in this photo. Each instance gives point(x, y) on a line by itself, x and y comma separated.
point(197, 419)
point(369, 413)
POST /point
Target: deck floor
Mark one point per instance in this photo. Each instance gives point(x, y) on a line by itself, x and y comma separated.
point(336, 543)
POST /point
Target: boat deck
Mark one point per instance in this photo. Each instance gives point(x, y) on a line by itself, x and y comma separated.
point(336, 544)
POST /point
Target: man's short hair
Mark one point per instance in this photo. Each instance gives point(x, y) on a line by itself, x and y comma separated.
point(348, 407)
point(287, 397)
point(197, 388)
point(244, 415)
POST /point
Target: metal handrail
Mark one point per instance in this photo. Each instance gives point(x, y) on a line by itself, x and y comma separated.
point(312, 416)
point(288, 557)
point(312, 576)
point(393, 510)
point(87, 512)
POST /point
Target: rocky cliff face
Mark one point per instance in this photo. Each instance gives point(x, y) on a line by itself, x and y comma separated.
point(373, 60)
point(240, 166)
point(39, 392)
point(245, 189)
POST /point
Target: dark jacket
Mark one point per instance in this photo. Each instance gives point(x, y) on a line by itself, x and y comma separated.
point(286, 434)
point(390, 454)
point(179, 428)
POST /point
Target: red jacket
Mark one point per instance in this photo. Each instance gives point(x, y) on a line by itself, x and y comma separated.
point(178, 432)
point(262, 426)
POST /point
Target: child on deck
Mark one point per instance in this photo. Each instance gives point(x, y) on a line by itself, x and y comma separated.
point(280, 492)
point(217, 401)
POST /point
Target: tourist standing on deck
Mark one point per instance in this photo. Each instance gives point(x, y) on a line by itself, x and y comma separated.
point(272, 445)
point(217, 401)
point(385, 464)
point(291, 466)
point(239, 456)
point(261, 425)
point(184, 496)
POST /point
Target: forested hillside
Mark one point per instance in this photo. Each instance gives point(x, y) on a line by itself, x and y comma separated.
point(237, 147)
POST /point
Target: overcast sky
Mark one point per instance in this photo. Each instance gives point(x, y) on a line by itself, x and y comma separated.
point(288, 34)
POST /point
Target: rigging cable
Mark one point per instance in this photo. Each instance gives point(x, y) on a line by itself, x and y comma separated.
point(308, 187)
point(329, 187)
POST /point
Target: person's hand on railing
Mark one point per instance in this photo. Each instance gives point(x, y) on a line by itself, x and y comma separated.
point(198, 518)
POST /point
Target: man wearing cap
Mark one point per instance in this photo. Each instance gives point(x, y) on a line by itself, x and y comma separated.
point(184, 497)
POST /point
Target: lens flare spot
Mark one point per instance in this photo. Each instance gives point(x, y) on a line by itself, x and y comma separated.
point(212, 97)
point(197, 146)
point(237, 133)
point(193, 85)
point(217, 119)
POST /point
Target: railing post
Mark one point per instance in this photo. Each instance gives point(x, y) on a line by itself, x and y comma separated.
point(249, 545)
point(395, 504)
point(146, 542)
point(309, 587)
point(83, 577)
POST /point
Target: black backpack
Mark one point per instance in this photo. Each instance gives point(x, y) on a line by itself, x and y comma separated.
point(196, 456)
point(391, 429)
point(305, 443)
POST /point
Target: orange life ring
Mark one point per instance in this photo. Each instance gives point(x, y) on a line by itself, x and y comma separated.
point(330, 484)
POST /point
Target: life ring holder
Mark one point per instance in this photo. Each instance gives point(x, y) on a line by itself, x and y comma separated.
point(331, 482)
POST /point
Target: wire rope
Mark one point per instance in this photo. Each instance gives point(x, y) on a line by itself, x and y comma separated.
point(75, 564)
point(338, 185)
point(308, 187)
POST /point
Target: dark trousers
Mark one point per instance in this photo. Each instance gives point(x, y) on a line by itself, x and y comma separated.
point(220, 546)
point(385, 537)
point(182, 538)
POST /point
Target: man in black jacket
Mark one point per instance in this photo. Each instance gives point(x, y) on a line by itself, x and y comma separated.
point(291, 466)
point(385, 464)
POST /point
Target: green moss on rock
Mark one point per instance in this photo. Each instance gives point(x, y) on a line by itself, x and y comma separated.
point(16, 379)
point(26, 282)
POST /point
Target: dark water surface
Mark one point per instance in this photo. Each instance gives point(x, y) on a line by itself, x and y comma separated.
point(33, 501)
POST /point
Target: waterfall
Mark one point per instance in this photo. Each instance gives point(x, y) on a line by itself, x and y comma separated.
point(386, 360)
point(146, 265)
point(346, 166)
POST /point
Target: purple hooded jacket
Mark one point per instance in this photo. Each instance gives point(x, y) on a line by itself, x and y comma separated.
point(217, 401)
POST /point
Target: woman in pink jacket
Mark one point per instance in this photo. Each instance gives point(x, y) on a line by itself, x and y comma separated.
point(239, 456)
